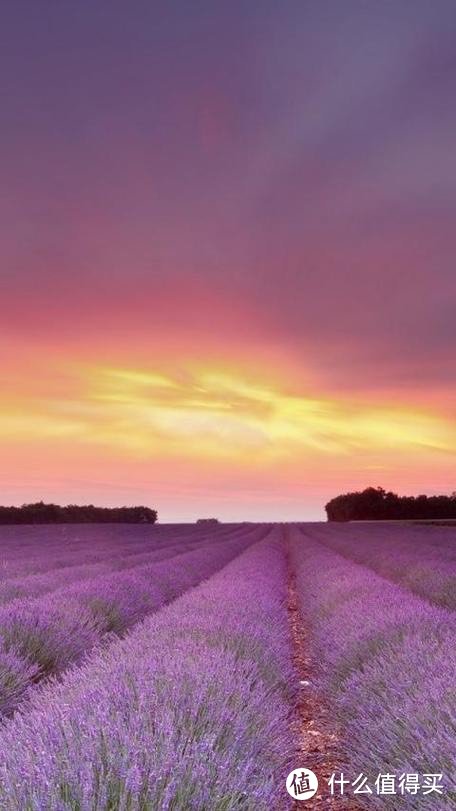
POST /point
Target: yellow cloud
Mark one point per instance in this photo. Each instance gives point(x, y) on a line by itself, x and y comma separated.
point(215, 414)
point(137, 378)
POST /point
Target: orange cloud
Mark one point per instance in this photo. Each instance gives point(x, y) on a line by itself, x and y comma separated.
point(209, 431)
point(210, 411)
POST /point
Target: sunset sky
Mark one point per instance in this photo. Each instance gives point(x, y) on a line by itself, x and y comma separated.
point(227, 241)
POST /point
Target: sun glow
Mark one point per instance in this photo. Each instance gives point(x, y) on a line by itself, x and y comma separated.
point(207, 412)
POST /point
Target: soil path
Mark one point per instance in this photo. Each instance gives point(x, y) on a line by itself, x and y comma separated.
point(317, 741)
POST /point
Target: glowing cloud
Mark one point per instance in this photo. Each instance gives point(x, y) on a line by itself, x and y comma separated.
point(217, 414)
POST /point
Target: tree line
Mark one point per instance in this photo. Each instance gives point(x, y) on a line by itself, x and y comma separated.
point(376, 504)
point(41, 513)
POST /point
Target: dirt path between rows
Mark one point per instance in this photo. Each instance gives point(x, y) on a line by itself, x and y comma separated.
point(316, 736)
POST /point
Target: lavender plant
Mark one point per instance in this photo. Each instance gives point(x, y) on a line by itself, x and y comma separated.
point(188, 712)
point(387, 665)
point(421, 558)
point(50, 633)
point(35, 585)
point(48, 548)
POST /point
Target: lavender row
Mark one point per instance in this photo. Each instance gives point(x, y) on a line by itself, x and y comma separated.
point(41, 638)
point(63, 547)
point(34, 585)
point(35, 549)
point(423, 559)
point(54, 547)
point(387, 666)
point(189, 712)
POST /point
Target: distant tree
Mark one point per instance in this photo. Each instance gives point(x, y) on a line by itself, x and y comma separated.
point(376, 504)
point(41, 513)
point(209, 521)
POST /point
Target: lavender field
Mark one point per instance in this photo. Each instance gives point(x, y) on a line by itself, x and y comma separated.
point(194, 666)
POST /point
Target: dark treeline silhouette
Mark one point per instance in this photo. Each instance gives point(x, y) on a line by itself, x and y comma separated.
point(376, 504)
point(41, 513)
